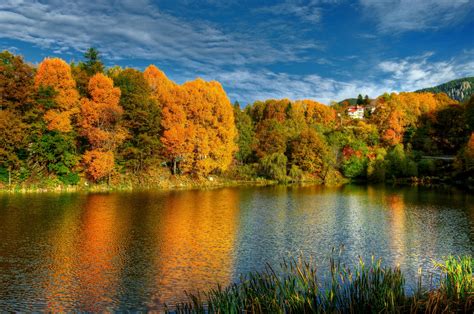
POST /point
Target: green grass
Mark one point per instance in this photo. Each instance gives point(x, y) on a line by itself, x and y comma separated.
point(295, 287)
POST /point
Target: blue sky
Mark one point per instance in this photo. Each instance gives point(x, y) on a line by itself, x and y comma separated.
point(323, 49)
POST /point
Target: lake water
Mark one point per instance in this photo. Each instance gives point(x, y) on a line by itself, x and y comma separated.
point(137, 250)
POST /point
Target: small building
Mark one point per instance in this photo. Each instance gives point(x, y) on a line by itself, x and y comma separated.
point(356, 112)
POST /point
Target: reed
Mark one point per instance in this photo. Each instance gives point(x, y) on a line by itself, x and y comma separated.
point(296, 287)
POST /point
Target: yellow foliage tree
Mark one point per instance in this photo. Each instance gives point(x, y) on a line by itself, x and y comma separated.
point(198, 123)
point(211, 114)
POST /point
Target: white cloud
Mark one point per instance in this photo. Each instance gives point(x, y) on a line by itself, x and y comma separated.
point(396, 75)
point(248, 86)
point(416, 15)
point(415, 73)
point(127, 29)
point(307, 11)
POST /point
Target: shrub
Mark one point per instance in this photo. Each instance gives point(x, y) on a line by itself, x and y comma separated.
point(274, 167)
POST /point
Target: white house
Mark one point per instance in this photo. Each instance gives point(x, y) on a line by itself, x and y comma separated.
point(356, 112)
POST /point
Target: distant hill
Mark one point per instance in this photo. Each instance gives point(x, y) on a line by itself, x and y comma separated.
point(351, 101)
point(460, 89)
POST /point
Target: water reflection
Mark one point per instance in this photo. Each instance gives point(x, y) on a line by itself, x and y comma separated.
point(122, 251)
point(196, 241)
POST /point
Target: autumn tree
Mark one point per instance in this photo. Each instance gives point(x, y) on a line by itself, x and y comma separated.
point(13, 137)
point(395, 113)
point(56, 74)
point(177, 129)
point(272, 126)
point(141, 118)
point(16, 82)
point(270, 138)
point(198, 123)
point(16, 98)
point(100, 125)
point(211, 117)
point(50, 152)
point(317, 113)
point(162, 88)
point(309, 152)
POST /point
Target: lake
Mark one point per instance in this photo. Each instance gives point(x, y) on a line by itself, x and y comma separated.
point(137, 250)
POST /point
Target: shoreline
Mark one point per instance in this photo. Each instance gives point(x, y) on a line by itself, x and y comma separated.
point(187, 183)
point(165, 185)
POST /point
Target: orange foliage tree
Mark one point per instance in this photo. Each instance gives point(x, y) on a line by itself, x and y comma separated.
point(161, 86)
point(309, 151)
point(100, 123)
point(56, 74)
point(394, 113)
point(316, 112)
point(198, 123)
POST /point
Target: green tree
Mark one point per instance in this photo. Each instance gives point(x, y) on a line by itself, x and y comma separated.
point(366, 100)
point(93, 64)
point(56, 152)
point(246, 134)
point(84, 70)
point(142, 116)
point(376, 167)
point(400, 164)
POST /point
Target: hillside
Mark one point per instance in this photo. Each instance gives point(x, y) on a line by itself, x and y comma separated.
point(460, 89)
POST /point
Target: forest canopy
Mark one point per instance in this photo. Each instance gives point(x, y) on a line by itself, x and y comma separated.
point(84, 122)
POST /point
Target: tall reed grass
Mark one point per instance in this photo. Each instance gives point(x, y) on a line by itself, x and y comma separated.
point(296, 287)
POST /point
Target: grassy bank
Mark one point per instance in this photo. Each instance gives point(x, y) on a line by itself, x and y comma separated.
point(129, 183)
point(296, 287)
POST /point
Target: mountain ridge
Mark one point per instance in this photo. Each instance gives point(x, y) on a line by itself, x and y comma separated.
point(459, 89)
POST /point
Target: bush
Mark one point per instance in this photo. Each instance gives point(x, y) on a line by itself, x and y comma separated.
point(70, 178)
point(376, 170)
point(354, 167)
point(295, 173)
point(243, 172)
point(274, 167)
point(3, 175)
point(426, 167)
point(401, 164)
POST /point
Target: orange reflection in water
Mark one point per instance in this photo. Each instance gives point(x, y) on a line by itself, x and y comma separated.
point(99, 264)
point(197, 241)
point(397, 230)
point(60, 282)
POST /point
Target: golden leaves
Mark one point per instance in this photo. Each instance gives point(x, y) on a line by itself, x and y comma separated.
point(98, 163)
point(100, 123)
point(56, 73)
point(198, 123)
point(58, 121)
